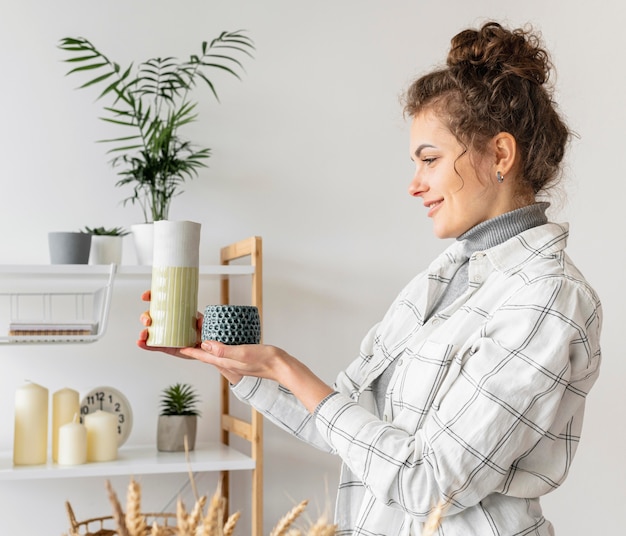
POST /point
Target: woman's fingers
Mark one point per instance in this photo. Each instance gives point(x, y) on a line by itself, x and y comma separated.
point(143, 344)
point(145, 318)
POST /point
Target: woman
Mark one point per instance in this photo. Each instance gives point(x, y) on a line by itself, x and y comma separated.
point(468, 396)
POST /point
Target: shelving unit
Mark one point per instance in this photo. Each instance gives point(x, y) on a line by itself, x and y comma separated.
point(88, 289)
point(135, 460)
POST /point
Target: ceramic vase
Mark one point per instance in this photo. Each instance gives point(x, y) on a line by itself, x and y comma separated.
point(174, 285)
point(143, 239)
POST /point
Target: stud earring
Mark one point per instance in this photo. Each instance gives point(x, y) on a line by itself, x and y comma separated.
point(499, 177)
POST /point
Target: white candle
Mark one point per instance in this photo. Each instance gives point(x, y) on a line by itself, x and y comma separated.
point(30, 439)
point(101, 436)
point(65, 404)
point(72, 443)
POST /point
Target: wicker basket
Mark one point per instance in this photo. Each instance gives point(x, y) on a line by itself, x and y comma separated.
point(105, 526)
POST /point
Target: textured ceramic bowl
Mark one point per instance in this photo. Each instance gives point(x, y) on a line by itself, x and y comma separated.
point(231, 324)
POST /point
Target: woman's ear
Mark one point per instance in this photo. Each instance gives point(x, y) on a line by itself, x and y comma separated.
point(505, 149)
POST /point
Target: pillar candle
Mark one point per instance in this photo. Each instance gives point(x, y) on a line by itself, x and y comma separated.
point(65, 404)
point(72, 443)
point(30, 439)
point(101, 436)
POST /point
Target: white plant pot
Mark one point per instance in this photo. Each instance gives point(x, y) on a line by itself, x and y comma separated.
point(106, 249)
point(143, 238)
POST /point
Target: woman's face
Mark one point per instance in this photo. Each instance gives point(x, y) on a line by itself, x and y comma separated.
point(457, 193)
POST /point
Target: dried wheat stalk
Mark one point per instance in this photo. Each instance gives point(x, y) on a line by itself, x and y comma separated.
point(434, 519)
point(231, 522)
point(322, 528)
point(135, 521)
point(182, 520)
point(118, 515)
point(212, 522)
point(196, 514)
point(283, 524)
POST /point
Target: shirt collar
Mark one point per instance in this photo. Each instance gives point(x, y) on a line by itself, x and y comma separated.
point(513, 254)
point(546, 240)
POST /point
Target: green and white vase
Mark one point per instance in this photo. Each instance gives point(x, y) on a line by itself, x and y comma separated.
point(174, 288)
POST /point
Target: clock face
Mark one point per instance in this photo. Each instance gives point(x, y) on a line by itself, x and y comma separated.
point(110, 400)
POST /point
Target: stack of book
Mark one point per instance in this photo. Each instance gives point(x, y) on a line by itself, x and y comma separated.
point(36, 329)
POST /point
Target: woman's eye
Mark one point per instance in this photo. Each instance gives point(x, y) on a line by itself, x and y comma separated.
point(429, 160)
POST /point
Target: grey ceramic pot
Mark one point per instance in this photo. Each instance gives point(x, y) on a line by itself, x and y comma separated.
point(171, 431)
point(69, 247)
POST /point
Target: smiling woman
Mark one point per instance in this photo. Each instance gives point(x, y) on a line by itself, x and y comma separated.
point(455, 184)
point(466, 402)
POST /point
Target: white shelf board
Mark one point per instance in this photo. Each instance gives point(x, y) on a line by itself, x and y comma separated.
point(122, 270)
point(211, 269)
point(135, 460)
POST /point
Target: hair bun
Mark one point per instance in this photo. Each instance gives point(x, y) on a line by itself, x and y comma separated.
point(496, 51)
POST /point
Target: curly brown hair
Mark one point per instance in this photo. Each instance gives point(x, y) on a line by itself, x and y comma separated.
point(496, 80)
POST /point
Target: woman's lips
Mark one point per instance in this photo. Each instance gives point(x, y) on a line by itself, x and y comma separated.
point(432, 206)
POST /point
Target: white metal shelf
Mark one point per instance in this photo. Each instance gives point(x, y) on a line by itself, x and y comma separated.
point(135, 460)
point(121, 270)
point(82, 297)
point(72, 309)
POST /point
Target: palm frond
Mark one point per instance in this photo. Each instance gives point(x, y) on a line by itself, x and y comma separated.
point(153, 100)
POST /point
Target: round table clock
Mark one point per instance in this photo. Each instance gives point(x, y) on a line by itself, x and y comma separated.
point(110, 400)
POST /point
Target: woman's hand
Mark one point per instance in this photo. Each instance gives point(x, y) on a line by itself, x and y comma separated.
point(146, 320)
point(258, 360)
point(263, 361)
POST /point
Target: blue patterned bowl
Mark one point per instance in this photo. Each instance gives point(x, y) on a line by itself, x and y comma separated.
point(231, 324)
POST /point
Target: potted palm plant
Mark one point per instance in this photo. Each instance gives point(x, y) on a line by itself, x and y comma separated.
point(178, 418)
point(151, 103)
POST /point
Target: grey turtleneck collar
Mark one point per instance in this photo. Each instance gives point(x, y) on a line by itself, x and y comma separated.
point(488, 234)
point(497, 230)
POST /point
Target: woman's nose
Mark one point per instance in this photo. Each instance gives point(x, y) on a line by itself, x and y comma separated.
point(416, 186)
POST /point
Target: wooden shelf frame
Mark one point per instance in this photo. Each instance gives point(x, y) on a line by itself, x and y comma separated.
point(251, 431)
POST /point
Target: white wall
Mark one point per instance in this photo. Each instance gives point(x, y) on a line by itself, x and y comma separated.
point(310, 152)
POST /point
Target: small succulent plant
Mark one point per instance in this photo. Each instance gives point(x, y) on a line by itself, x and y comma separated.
point(179, 399)
point(102, 231)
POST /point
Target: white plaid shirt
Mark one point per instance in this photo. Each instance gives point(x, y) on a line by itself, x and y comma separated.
point(485, 407)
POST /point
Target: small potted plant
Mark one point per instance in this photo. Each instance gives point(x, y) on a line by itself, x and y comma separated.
point(178, 418)
point(106, 244)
